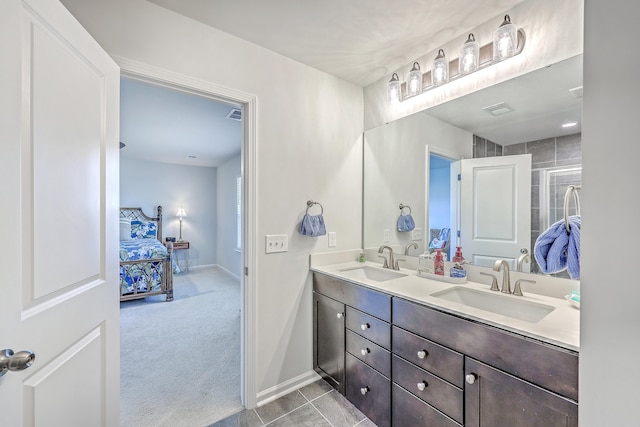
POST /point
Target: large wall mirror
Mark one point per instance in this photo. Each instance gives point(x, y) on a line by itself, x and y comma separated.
point(487, 171)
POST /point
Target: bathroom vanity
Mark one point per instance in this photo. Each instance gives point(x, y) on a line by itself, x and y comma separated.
point(405, 357)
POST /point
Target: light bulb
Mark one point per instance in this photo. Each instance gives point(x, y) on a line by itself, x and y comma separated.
point(440, 69)
point(469, 56)
point(414, 82)
point(505, 40)
point(393, 89)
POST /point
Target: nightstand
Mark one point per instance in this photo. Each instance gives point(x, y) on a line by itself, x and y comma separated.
point(182, 246)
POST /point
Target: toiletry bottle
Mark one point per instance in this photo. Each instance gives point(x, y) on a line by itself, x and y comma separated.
point(458, 256)
point(438, 264)
point(361, 257)
point(457, 271)
point(425, 262)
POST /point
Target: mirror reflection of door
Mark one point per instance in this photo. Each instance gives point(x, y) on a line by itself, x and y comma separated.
point(442, 203)
point(495, 209)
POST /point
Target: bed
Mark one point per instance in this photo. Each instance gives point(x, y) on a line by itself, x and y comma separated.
point(145, 263)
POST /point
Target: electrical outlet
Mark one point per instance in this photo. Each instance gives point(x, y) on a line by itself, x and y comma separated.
point(387, 235)
point(332, 239)
point(416, 234)
point(276, 243)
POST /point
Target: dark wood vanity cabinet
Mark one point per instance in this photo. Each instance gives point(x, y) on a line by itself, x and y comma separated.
point(354, 356)
point(424, 367)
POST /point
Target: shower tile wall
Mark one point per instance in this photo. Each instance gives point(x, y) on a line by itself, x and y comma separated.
point(545, 154)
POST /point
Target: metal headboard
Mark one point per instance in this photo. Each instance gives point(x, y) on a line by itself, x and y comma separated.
point(136, 214)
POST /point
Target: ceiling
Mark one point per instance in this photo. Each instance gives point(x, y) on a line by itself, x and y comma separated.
point(360, 41)
point(165, 125)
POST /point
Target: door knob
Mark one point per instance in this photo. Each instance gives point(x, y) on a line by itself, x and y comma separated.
point(471, 378)
point(340, 315)
point(10, 361)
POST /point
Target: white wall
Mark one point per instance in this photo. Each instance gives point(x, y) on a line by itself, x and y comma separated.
point(228, 257)
point(610, 317)
point(309, 145)
point(553, 30)
point(149, 184)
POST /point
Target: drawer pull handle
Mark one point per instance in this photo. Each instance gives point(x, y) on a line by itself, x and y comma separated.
point(364, 390)
point(340, 315)
point(365, 326)
point(422, 354)
point(422, 385)
point(471, 378)
point(365, 351)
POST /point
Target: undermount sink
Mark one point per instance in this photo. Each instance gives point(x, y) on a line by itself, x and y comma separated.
point(497, 303)
point(371, 273)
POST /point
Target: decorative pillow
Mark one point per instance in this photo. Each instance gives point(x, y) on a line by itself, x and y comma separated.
point(125, 229)
point(144, 229)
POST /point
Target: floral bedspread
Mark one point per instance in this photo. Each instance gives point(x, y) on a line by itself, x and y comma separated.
point(147, 277)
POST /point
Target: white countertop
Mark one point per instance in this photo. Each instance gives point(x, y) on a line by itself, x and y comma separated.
point(561, 327)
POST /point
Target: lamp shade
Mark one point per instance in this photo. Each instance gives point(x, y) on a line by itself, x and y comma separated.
point(469, 56)
point(505, 40)
point(393, 89)
point(440, 69)
point(181, 213)
point(414, 82)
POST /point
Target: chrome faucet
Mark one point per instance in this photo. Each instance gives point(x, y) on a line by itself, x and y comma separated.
point(413, 245)
point(522, 259)
point(506, 281)
point(390, 263)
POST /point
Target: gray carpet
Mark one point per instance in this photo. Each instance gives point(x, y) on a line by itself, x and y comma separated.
point(180, 361)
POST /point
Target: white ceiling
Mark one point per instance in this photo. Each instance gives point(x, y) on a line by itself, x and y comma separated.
point(169, 126)
point(360, 41)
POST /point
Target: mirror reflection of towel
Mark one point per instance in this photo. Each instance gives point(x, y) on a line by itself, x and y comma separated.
point(406, 223)
point(312, 225)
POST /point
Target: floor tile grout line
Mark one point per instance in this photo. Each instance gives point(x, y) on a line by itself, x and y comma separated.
point(259, 417)
point(318, 397)
point(320, 412)
point(284, 415)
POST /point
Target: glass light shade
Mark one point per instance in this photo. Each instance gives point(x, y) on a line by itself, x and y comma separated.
point(469, 56)
point(505, 40)
point(181, 213)
point(440, 69)
point(414, 82)
point(393, 89)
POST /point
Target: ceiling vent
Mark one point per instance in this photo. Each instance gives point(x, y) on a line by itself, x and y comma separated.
point(498, 109)
point(234, 114)
point(576, 91)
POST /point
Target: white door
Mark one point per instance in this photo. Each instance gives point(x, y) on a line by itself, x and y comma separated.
point(59, 125)
point(495, 209)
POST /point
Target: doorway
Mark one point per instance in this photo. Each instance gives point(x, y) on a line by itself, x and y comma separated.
point(442, 196)
point(242, 191)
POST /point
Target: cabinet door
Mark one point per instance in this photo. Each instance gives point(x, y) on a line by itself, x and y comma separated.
point(329, 340)
point(495, 398)
point(369, 391)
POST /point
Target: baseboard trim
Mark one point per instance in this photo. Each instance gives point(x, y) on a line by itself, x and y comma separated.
point(273, 393)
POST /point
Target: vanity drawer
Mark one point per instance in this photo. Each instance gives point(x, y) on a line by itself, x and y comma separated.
point(364, 299)
point(370, 353)
point(369, 391)
point(433, 390)
point(546, 365)
point(408, 410)
point(369, 327)
point(437, 359)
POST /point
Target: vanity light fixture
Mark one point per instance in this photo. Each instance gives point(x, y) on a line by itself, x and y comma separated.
point(440, 69)
point(469, 56)
point(394, 92)
point(508, 41)
point(505, 40)
point(414, 82)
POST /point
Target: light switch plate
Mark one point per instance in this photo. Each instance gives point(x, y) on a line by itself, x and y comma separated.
point(332, 239)
point(276, 243)
point(416, 234)
point(387, 235)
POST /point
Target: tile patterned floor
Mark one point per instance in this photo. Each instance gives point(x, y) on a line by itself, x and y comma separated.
point(315, 405)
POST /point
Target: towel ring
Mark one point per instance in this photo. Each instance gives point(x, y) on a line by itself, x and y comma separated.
point(402, 208)
point(310, 203)
point(571, 189)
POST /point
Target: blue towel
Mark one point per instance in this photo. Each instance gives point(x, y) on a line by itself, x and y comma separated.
point(440, 241)
point(312, 225)
point(406, 223)
point(556, 250)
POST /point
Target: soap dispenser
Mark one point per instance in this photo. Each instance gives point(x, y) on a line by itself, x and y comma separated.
point(438, 264)
point(458, 256)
